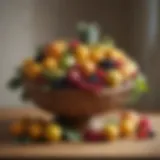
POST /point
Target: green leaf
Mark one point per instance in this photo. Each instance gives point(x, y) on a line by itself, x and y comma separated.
point(89, 33)
point(72, 135)
point(15, 83)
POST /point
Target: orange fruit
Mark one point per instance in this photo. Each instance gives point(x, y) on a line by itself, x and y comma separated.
point(50, 63)
point(16, 129)
point(97, 54)
point(35, 130)
point(127, 127)
point(33, 70)
point(81, 53)
point(88, 67)
point(56, 49)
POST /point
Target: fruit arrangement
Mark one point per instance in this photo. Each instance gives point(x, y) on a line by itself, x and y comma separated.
point(127, 125)
point(86, 62)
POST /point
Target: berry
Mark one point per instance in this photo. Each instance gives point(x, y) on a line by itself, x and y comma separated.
point(143, 134)
point(92, 135)
point(107, 64)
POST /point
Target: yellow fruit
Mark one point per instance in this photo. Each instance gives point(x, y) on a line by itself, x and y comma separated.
point(114, 78)
point(111, 132)
point(97, 55)
point(81, 53)
point(115, 54)
point(35, 131)
point(128, 69)
point(56, 49)
point(130, 115)
point(127, 128)
point(50, 63)
point(16, 129)
point(33, 70)
point(88, 67)
point(53, 132)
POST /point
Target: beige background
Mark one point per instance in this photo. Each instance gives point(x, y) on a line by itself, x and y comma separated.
point(24, 24)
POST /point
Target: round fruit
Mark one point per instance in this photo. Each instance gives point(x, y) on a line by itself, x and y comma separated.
point(82, 54)
point(53, 132)
point(50, 63)
point(16, 128)
point(97, 55)
point(56, 49)
point(114, 78)
point(111, 132)
point(88, 67)
point(35, 130)
point(93, 135)
point(127, 128)
point(33, 70)
point(67, 61)
point(128, 70)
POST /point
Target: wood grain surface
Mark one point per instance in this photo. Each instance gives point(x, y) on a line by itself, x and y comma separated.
point(120, 148)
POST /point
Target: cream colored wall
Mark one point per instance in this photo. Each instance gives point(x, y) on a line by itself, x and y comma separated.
point(24, 24)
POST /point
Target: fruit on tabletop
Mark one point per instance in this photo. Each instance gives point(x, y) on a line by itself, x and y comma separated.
point(56, 49)
point(17, 128)
point(127, 128)
point(35, 131)
point(53, 132)
point(130, 115)
point(144, 124)
point(81, 54)
point(88, 67)
point(143, 134)
point(93, 135)
point(32, 70)
point(114, 78)
point(50, 63)
point(111, 132)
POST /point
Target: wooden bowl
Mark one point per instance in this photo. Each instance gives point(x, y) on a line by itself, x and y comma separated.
point(76, 102)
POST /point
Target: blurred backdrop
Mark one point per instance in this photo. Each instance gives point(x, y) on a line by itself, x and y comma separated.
point(26, 24)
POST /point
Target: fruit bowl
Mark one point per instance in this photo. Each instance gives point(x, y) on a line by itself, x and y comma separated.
point(79, 78)
point(75, 102)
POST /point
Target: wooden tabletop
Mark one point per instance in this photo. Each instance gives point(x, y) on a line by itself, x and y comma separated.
point(123, 148)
